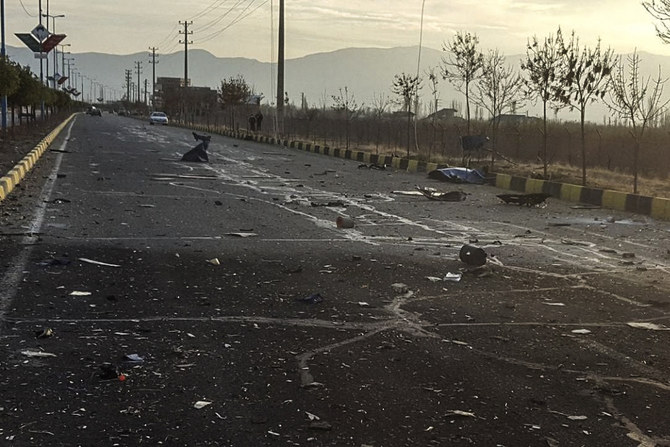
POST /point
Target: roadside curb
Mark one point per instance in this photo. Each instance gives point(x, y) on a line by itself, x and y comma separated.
point(656, 207)
point(21, 169)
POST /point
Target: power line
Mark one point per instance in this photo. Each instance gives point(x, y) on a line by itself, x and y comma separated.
point(25, 10)
point(217, 20)
point(235, 21)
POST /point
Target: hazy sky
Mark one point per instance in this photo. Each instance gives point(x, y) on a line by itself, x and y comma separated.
point(243, 28)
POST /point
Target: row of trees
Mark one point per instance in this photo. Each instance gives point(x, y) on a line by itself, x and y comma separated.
point(24, 91)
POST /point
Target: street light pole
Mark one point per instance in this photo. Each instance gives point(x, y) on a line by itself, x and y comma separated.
point(3, 52)
point(280, 71)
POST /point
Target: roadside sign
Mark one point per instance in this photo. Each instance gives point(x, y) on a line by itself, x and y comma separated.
point(51, 42)
point(30, 42)
point(40, 32)
point(41, 55)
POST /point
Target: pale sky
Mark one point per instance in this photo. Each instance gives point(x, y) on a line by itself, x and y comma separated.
point(243, 28)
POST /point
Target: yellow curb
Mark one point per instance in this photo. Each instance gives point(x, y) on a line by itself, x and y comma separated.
point(21, 169)
point(615, 200)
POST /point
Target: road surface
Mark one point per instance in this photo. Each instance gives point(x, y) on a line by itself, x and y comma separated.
point(149, 301)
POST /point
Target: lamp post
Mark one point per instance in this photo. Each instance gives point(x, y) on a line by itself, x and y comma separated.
point(53, 20)
point(63, 53)
point(2, 55)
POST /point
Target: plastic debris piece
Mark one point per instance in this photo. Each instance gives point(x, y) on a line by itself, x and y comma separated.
point(214, 261)
point(458, 175)
point(242, 235)
point(434, 194)
point(577, 418)
point(459, 413)
point(454, 277)
point(648, 326)
point(201, 404)
point(312, 299)
point(135, 358)
point(363, 304)
point(312, 417)
point(104, 264)
point(472, 255)
point(554, 304)
point(109, 372)
point(37, 354)
point(532, 199)
point(581, 331)
point(433, 278)
point(80, 293)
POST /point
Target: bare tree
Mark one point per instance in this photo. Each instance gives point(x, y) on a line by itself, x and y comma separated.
point(660, 10)
point(463, 65)
point(585, 78)
point(345, 104)
point(498, 90)
point(637, 100)
point(406, 86)
point(543, 65)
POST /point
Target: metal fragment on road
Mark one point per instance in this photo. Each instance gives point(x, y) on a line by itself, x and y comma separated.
point(37, 354)
point(94, 262)
point(201, 404)
point(454, 277)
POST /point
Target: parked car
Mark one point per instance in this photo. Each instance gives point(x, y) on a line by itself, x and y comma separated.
point(158, 118)
point(94, 111)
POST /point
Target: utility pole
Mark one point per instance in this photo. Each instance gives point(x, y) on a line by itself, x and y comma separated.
point(138, 67)
point(3, 52)
point(153, 75)
point(280, 71)
point(186, 33)
point(146, 89)
point(129, 75)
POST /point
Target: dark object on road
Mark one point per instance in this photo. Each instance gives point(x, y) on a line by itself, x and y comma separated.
point(94, 111)
point(44, 333)
point(433, 194)
point(372, 166)
point(344, 222)
point(109, 372)
point(199, 153)
point(312, 299)
point(458, 175)
point(532, 199)
point(472, 255)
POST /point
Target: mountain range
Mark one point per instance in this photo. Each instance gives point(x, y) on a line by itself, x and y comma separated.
point(365, 72)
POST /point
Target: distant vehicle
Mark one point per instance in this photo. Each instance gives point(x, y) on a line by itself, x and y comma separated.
point(94, 111)
point(158, 118)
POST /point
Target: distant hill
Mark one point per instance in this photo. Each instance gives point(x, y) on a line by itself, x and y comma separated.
point(366, 72)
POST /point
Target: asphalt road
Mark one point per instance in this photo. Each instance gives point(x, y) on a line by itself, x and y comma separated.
point(149, 301)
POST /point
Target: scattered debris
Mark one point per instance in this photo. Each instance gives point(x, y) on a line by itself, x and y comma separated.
point(242, 235)
point(44, 333)
point(400, 288)
point(104, 264)
point(37, 354)
point(434, 194)
point(581, 331)
point(454, 277)
point(312, 299)
point(586, 207)
point(628, 255)
point(363, 304)
point(460, 413)
point(201, 404)
point(333, 204)
point(344, 222)
point(135, 358)
point(372, 166)
point(80, 293)
point(532, 199)
point(458, 175)
point(55, 262)
point(199, 153)
point(472, 255)
point(110, 372)
point(214, 261)
point(433, 278)
point(576, 243)
point(553, 304)
point(648, 326)
point(312, 417)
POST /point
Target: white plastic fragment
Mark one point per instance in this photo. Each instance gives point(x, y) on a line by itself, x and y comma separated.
point(554, 304)
point(581, 331)
point(201, 404)
point(104, 264)
point(648, 326)
point(80, 293)
point(39, 354)
point(242, 235)
point(461, 413)
point(312, 417)
point(214, 261)
point(455, 277)
point(433, 278)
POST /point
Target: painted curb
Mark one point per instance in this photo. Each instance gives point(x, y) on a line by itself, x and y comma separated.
point(656, 207)
point(19, 172)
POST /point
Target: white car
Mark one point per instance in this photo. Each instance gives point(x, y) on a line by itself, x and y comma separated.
point(158, 118)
